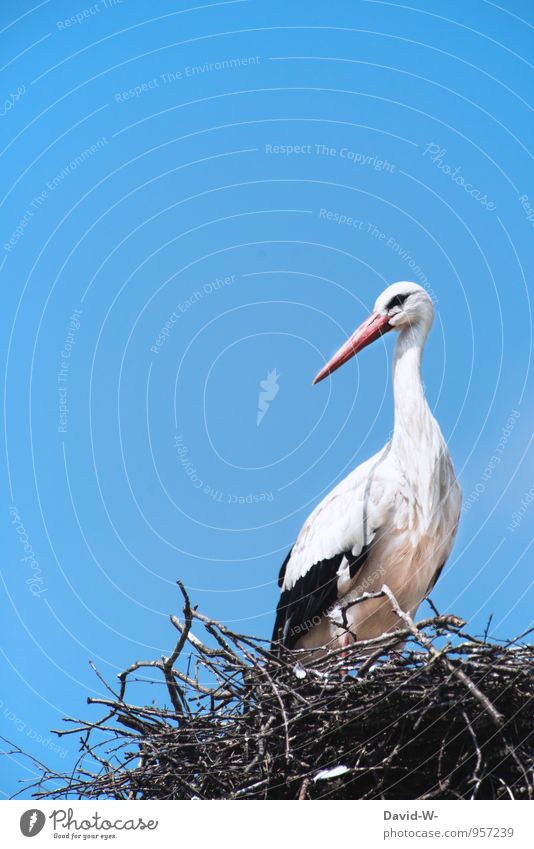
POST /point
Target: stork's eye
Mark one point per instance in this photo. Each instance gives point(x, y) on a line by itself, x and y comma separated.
point(396, 301)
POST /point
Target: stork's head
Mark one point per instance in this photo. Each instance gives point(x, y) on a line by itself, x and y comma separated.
point(405, 304)
point(400, 307)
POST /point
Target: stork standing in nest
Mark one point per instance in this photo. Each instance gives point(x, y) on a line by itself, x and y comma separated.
point(391, 521)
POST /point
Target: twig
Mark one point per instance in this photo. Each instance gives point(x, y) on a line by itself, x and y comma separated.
point(242, 725)
point(441, 657)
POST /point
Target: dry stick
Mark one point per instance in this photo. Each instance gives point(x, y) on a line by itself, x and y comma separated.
point(195, 642)
point(104, 682)
point(237, 638)
point(363, 597)
point(140, 664)
point(490, 709)
point(384, 641)
point(345, 622)
point(87, 727)
point(364, 668)
point(476, 779)
point(275, 690)
point(177, 697)
point(303, 792)
point(192, 612)
point(233, 689)
point(284, 714)
point(149, 714)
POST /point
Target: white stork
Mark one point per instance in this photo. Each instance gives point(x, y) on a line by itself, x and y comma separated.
point(391, 521)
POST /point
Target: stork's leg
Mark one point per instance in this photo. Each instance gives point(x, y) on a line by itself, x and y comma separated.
point(345, 642)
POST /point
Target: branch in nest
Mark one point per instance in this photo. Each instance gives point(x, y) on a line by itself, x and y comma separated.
point(441, 719)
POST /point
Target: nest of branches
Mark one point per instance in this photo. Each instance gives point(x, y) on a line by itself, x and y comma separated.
point(449, 716)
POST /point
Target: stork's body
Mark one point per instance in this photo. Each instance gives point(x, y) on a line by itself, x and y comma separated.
point(391, 521)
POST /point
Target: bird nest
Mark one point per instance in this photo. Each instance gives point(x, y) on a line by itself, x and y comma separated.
point(448, 716)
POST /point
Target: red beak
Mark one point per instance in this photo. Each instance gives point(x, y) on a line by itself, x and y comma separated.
point(376, 325)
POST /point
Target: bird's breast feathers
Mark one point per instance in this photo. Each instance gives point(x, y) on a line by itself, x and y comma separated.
point(379, 509)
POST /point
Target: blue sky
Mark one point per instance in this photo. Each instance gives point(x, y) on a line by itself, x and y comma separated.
point(196, 198)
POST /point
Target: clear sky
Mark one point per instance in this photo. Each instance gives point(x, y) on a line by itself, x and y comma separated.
point(196, 200)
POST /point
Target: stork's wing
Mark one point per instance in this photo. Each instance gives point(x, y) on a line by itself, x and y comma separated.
point(332, 546)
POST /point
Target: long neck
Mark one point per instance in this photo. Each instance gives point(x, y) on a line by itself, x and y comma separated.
point(416, 431)
point(417, 444)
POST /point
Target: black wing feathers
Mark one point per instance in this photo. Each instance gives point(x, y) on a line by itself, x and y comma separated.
point(302, 607)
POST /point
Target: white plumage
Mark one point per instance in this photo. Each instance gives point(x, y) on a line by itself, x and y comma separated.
point(390, 521)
